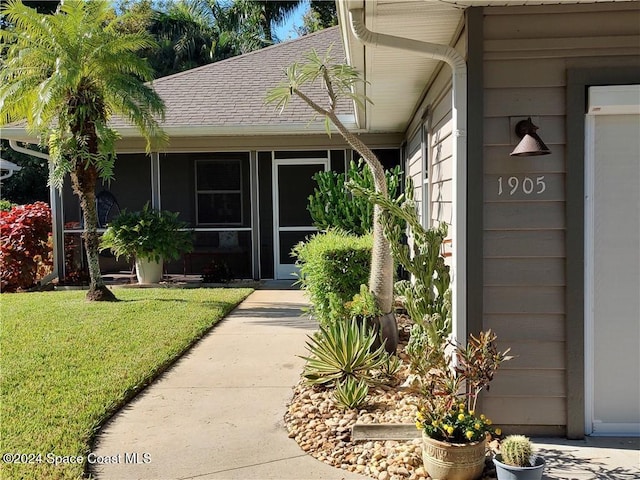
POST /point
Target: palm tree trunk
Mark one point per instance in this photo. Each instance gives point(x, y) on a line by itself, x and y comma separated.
point(381, 274)
point(84, 179)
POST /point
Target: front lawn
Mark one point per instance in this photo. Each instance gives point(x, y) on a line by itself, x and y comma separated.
point(66, 365)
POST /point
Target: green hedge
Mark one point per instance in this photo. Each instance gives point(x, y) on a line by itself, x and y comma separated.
point(333, 265)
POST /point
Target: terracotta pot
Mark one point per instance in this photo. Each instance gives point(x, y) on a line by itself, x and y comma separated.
point(453, 461)
point(148, 271)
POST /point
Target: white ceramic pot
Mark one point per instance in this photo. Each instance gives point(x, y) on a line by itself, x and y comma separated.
point(148, 271)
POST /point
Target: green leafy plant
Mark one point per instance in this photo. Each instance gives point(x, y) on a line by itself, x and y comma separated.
point(341, 350)
point(391, 365)
point(333, 206)
point(517, 451)
point(456, 425)
point(332, 266)
point(449, 395)
point(148, 234)
point(363, 307)
point(351, 393)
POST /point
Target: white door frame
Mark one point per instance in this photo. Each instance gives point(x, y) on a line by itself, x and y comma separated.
point(611, 100)
point(277, 269)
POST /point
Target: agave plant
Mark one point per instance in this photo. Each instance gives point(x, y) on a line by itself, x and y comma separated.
point(351, 393)
point(342, 350)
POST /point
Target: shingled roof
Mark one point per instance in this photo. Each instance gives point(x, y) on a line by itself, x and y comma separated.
point(228, 96)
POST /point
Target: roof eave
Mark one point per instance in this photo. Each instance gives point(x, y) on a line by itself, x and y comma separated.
point(308, 128)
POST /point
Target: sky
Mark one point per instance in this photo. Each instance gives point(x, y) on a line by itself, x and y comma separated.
point(287, 30)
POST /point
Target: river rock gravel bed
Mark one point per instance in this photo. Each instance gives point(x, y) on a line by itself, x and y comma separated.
point(323, 430)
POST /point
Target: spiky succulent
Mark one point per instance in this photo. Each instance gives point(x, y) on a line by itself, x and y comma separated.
point(351, 393)
point(516, 450)
point(341, 350)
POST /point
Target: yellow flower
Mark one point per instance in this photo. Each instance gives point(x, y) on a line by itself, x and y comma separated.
point(434, 423)
point(498, 431)
point(482, 417)
point(462, 407)
point(461, 417)
point(469, 434)
point(419, 425)
point(449, 429)
point(489, 422)
point(471, 412)
point(420, 416)
point(477, 425)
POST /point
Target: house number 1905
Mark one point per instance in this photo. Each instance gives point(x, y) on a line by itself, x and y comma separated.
point(528, 185)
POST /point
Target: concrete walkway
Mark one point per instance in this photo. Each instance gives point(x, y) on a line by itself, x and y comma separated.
point(218, 413)
point(594, 458)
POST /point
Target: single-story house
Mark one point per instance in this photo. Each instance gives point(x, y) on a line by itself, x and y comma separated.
point(545, 248)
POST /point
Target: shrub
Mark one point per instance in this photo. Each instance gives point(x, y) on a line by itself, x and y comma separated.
point(5, 205)
point(342, 350)
point(333, 206)
point(25, 251)
point(351, 393)
point(333, 265)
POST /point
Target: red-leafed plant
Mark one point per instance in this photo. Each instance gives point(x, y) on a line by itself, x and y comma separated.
point(25, 249)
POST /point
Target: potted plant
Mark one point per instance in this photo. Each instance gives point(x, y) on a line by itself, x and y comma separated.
point(454, 435)
point(516, 460)
point(150, 237)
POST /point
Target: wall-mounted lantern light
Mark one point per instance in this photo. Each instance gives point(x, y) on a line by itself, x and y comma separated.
point(531, 144)
point(7, 168)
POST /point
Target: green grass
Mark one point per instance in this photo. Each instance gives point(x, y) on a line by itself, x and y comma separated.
point(66, 365)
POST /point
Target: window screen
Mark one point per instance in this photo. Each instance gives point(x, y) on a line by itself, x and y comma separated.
point(219, 192)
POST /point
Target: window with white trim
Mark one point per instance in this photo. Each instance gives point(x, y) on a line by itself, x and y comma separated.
point(219, 192)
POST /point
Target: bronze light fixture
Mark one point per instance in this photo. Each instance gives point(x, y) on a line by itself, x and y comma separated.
point(531, 144)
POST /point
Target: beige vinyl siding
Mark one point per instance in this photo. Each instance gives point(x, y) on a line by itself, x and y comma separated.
point(415, 169)
point(435, 114)
point(527, 51)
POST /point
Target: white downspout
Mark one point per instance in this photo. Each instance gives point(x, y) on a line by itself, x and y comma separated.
point(458, 66)
point(56, 231)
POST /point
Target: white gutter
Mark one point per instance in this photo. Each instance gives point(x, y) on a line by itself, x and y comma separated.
point(458, 66)
point(56, 233)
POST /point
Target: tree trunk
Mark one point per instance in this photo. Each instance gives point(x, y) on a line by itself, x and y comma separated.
point(381, 274)
point(84, 179)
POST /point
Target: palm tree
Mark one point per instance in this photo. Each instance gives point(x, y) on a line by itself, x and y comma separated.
point(339, 80)
point(266, 13)
point(66, 74)
point(185, 34)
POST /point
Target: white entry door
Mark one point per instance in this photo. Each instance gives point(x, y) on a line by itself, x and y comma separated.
point(612, 261)
point(293, 184)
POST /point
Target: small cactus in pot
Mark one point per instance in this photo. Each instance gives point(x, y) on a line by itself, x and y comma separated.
point(516, 450)
point(516, 460)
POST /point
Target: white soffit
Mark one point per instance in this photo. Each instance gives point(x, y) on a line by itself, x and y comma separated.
point(398, 79)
